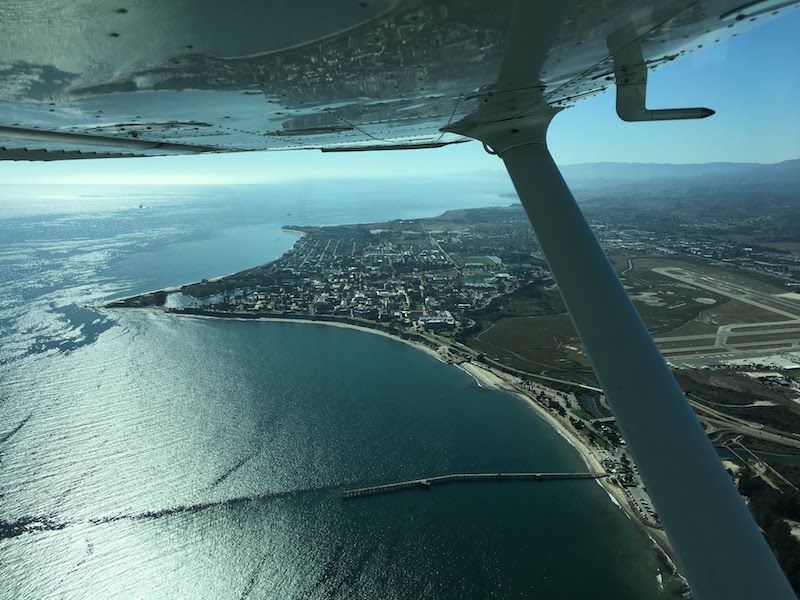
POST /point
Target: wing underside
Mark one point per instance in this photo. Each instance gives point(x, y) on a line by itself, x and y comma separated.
point(84, 79)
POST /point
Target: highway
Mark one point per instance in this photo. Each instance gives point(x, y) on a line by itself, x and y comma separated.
point(722, 421)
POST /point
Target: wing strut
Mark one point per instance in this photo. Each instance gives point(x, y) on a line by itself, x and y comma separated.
point(718, 545)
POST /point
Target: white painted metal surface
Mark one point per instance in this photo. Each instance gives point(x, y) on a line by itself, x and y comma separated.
point(259, 75)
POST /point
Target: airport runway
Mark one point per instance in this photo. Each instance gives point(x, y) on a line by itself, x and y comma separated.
point(725, 338)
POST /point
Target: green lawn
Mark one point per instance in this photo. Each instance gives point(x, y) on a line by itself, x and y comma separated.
point(484, 260)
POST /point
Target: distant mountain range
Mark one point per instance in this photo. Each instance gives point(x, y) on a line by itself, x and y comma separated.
point(787, 171)
point(711, 188)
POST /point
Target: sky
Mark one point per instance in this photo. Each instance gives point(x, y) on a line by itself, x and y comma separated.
point(752, 82)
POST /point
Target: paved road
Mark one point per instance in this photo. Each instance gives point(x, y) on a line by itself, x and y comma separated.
point(729, 334)
point(722, 421)
point(630, 266)
point(782, 345)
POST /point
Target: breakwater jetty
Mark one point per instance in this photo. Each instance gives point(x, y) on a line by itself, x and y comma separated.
point(427, 482)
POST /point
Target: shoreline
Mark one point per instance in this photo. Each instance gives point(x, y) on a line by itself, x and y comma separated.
point(493, 381)
point(177, 288)
point(306, 320)
point(484, 377)
point(489, 379)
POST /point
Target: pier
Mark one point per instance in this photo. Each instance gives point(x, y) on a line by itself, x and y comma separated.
point(427, 482)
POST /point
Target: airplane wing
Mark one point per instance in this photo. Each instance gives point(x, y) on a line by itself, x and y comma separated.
point(146, 77)
point(89, 79)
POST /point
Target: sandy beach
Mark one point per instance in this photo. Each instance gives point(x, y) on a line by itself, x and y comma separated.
point(154, 309)
point(417, 345)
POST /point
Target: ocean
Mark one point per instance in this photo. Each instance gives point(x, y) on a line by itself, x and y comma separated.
point(149, 456)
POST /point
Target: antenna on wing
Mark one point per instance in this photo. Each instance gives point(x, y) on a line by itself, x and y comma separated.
point(630, 73)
